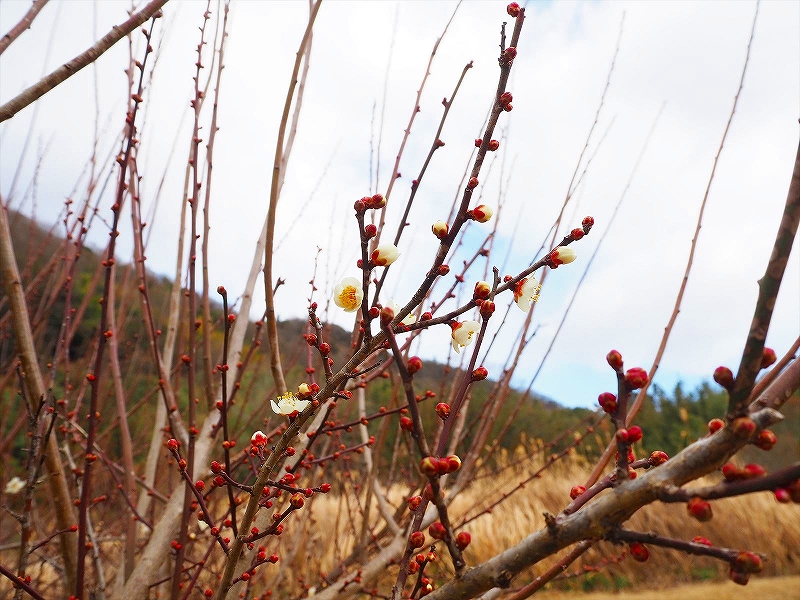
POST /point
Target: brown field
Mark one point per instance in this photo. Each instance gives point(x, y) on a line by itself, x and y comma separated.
point(755, 522)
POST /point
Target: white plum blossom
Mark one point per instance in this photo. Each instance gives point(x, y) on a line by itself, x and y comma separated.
point(348, 294)
point(14, 486)
point(526, 292)
point(409, 319)
point(482, 213)
point(440, 229)
point(289, 404)
point(384, 255)
point(462, 334)
point(562, 255)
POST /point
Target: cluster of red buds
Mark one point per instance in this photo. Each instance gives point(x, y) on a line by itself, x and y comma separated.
point(733, 473)
point(432, 466)
point(505, 101)
point(367, 202)
point(509, 54)
point(493, 146)
point(790, 493)
point(631, 435)
point(744, 565)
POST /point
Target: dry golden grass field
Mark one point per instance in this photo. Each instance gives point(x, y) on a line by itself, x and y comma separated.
point(755, 522)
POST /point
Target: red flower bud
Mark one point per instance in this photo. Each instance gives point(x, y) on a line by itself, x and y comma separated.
point(513, 9)
point(417, 539)
point(614, 359)
point(414, 364)
point(738, 577)
point(659, 457)
point(701, 540)
point(748, 562)
point(443, 410)
point(634, 434)
point(509, 54)
point(700, 509)
point(753, 471)
point(453, 463)
point(714, 425)
point(724, 377)
point(406, 424)
point(639, 552)
point(766, 440)
point(463, 539)
point(472, 183)
point(482, 290)
point(297, 501)
point(172, 444)
point(768, 358)
point(414, 502)
point(480, 374)
point(622, 435)
point(487, 309)
point(370, 230)
point(325, 348)
point(494, 145)
point(478, 142)
point(743, 427)
point(576, 491)
point(731, 472)
point(635, 378)
point(783, 496)
point(429, 466)
point(377, 201)
point(437, 531)
point(608, 402)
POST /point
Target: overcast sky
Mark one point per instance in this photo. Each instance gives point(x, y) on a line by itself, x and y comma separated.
point(689, 55)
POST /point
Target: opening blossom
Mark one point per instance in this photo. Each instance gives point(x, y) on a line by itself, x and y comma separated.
point(14, 486)
point(384, 255)
point(563, 255)
point(462, 334)
point(348, 294)
point(289, 405)
point(526, 292)
point(410, 319)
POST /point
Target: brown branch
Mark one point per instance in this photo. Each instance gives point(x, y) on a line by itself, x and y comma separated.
point(277, 168)
point(599, 518)
point(727, 489)
point(23, 337)
point(67, 70)
point(554, 571)
point(768, 288)
point(23, 25)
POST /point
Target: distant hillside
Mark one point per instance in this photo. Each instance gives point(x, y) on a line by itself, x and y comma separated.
point(670, 420)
